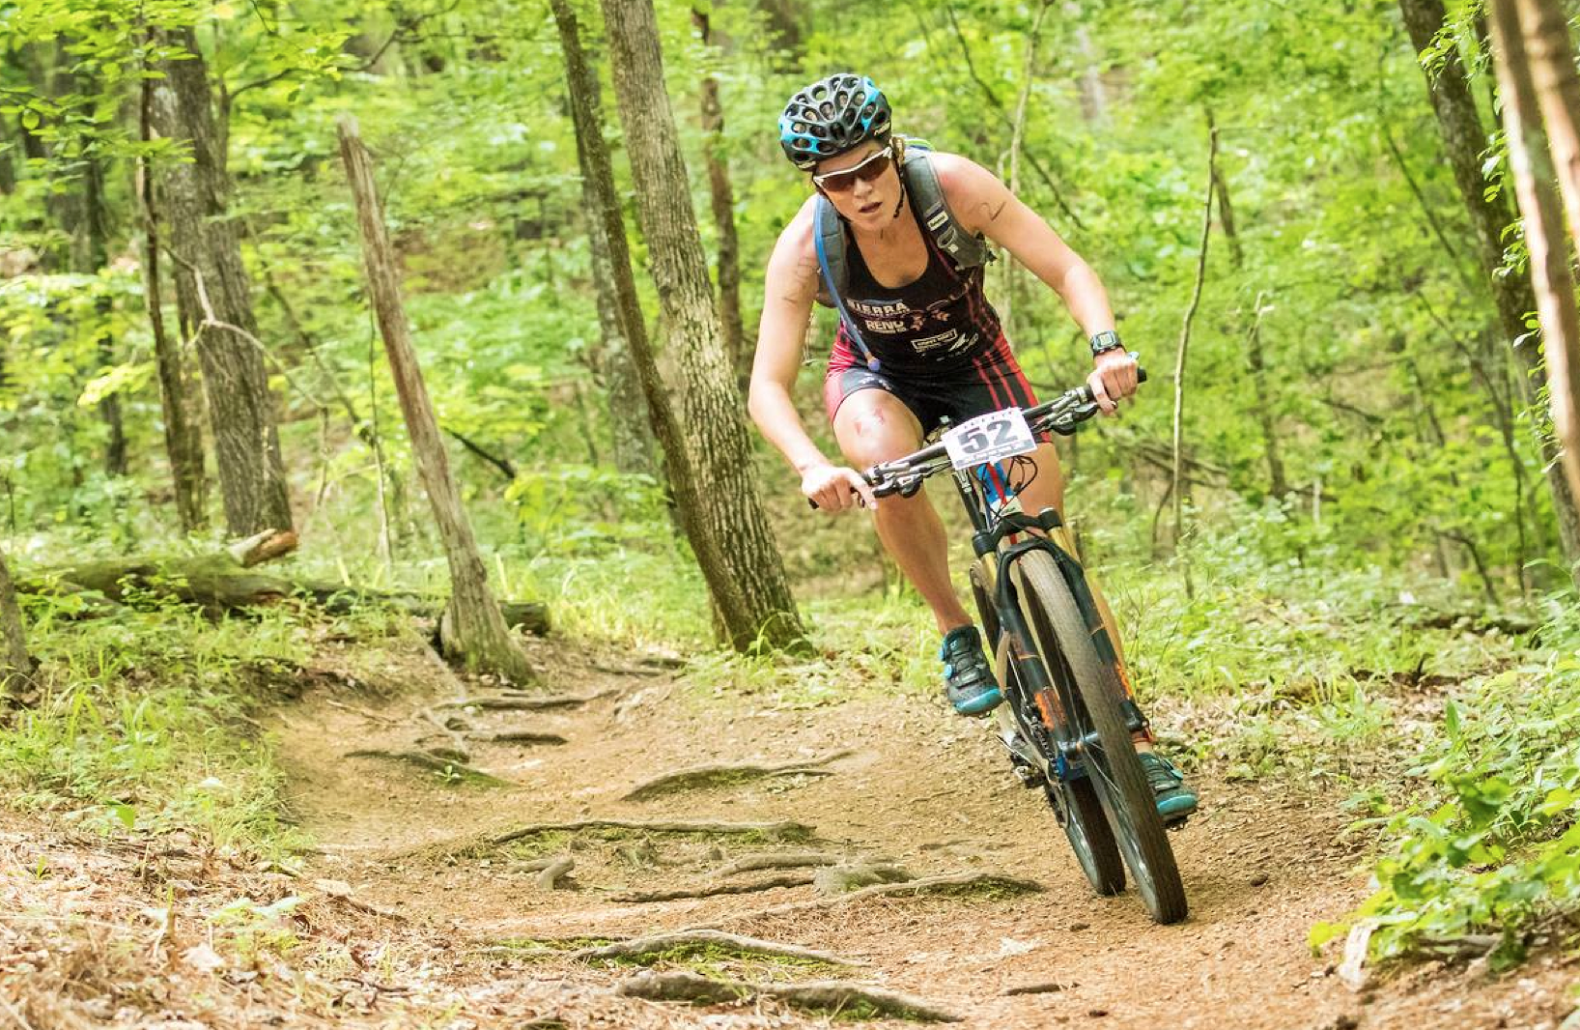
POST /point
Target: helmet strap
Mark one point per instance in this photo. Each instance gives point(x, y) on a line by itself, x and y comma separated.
point(897, 148)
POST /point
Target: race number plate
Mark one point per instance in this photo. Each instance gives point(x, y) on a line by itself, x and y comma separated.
point(990, 437)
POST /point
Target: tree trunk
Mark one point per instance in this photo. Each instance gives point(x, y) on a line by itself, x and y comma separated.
point(1017, 140)
point(741, 600)
point(78, 206)
point(1180, 485)
point(1094, 95)
point(215, 301)
point(731, 510)
point(628, 417)
point(15, 665)
point(1278, 483)
point(1539, 203)
point(1464, 139)
point(93, 251)
point(177, 392)
point(473, 630)
point(722, 196)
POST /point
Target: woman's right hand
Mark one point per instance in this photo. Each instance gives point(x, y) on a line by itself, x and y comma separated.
point(834, 488)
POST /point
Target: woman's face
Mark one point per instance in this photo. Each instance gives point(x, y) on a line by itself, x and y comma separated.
point(867, 195)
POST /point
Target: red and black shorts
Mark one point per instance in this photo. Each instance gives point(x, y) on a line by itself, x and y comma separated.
point(991, 381)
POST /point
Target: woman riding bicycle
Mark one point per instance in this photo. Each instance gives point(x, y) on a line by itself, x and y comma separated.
point(917, 343)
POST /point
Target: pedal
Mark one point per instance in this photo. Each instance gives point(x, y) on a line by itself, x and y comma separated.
point(1029, 776)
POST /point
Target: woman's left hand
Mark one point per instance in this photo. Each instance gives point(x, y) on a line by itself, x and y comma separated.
point(1113, 379)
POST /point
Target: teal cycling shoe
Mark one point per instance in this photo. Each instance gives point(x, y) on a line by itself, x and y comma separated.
point(968, 678)
point(1175, 800)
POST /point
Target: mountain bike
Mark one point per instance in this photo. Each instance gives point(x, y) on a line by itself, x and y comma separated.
point(1067, 720)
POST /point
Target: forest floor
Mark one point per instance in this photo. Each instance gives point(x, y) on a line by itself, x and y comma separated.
point(408, 908)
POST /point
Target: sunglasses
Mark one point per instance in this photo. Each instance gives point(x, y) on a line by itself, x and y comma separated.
point(866, 171)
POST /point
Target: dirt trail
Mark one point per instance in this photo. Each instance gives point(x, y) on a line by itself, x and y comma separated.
point(920, 789)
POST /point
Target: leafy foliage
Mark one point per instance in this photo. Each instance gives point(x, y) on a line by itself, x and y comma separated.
point(1491, 844)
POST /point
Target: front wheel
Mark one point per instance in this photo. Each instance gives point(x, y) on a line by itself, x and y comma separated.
point(1079, 810)
point(1107, 752)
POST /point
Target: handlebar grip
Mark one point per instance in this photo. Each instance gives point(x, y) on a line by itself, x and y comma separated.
point(1141, 377)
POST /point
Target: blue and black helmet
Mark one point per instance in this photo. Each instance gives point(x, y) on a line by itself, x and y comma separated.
point(831, 116)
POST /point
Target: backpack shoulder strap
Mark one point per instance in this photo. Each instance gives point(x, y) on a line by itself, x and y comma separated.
point(927, 198)
point(828, 235)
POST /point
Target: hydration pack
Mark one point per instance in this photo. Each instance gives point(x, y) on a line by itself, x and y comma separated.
point(932, 211)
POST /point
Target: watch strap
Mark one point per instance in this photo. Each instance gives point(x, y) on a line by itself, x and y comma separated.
point(1104, 342)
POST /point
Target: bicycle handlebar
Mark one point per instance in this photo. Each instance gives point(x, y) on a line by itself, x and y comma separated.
point(1060, 415)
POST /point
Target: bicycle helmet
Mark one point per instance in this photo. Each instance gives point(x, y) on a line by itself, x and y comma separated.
point(831, 116)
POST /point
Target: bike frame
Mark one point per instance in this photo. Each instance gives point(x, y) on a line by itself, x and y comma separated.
point(1042, 737)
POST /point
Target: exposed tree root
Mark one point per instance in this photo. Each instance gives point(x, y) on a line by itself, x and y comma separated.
point(785, 830)
point(717, 775)
point(704, 940)
point(518, 737)
point(341, 892)
point(522, 702)
point(842, 879)
point(952, 883)
point(715, 890)
point(549, 879)
point(439, 761)
point(822, 995)
point(779, 860)
point(366, 713)
point(1049, 987)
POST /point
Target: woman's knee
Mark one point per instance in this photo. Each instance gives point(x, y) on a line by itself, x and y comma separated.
point(872, 432)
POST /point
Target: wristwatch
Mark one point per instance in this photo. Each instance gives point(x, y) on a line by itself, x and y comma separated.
point(1104, 342)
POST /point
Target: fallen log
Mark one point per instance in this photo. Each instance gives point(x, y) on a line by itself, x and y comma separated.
point(821, 995)
point(218, 584)
point(664, 944)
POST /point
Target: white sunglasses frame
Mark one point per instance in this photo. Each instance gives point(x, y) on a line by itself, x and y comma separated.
point(821, 181)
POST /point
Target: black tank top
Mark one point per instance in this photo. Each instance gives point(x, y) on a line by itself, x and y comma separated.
point(932, 326)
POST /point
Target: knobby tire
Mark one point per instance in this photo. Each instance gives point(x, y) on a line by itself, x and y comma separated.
point(1075, 803)
point(1113, 768)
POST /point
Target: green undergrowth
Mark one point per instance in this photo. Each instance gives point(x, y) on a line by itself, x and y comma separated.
point(142, 722)
point(1488, 841)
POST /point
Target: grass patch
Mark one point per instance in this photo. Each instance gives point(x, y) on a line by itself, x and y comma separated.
point(548, 947)
point(143, 723)
point(1486, 837)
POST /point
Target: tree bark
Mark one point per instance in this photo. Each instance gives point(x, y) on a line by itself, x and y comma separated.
point(215, 300)
point(1279, 484)
point(722, 197)
point(730, 510)
point(757, 606)
point(1016, 142)
point(80, 210)
point(1513, 27)
point(1094, 95)
point(15, 665)
point(177, 392)
point(1179, 484)
point(1464, 139)
point(473, 630)
point(628, 416)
